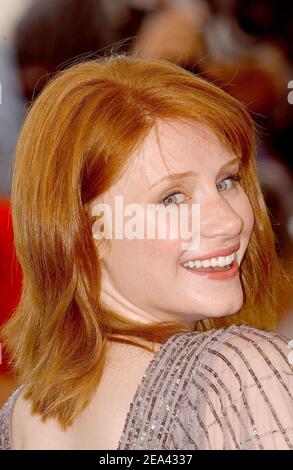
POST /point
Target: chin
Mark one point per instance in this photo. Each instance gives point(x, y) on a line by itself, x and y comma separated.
point(224, 309)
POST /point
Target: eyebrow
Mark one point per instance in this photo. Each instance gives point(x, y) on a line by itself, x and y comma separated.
point(176, 176)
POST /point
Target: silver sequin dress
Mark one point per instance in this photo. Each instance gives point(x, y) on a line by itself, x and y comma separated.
point(230, 388)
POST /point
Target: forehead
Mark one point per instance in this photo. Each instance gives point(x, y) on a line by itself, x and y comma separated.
point(172, 147)
point(178, 146)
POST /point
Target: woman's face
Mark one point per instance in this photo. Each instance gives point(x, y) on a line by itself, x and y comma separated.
point(144, 279)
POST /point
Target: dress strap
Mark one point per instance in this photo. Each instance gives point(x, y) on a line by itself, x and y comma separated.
point(6, 417)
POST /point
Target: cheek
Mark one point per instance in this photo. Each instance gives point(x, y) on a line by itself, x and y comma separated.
point(137, 267)
point(163, 254)
point(248, 215)
point(139, 255)
point(243, 208)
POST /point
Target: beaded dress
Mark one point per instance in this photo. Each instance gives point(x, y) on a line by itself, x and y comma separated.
point(228, 388)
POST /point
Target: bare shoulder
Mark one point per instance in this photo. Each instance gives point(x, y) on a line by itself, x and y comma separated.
point(21, 419)
point(27, 431)
point(100, 423)
point(10, 421)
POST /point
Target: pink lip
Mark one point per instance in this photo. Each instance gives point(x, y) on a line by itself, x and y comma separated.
point(216, 254)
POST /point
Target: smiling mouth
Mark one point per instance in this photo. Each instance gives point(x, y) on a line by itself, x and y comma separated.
point(221, 263)
point(212, 269)
point(226, 272)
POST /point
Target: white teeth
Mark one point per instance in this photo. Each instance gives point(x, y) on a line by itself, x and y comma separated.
point(206, 263)
point(222, 260)
point(230, 258)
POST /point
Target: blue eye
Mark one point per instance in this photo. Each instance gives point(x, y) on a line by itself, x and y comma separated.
point(225, 184)
point(232, 179)
point(171, 199)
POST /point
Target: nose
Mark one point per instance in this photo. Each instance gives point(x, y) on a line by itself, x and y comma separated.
point(219, 219)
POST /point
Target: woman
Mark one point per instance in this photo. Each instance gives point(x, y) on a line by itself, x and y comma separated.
point(132, 342)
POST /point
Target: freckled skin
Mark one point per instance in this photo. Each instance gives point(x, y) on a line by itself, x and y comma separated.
point(142, 279)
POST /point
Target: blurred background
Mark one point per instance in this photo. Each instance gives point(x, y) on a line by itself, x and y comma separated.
point(245, 47)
